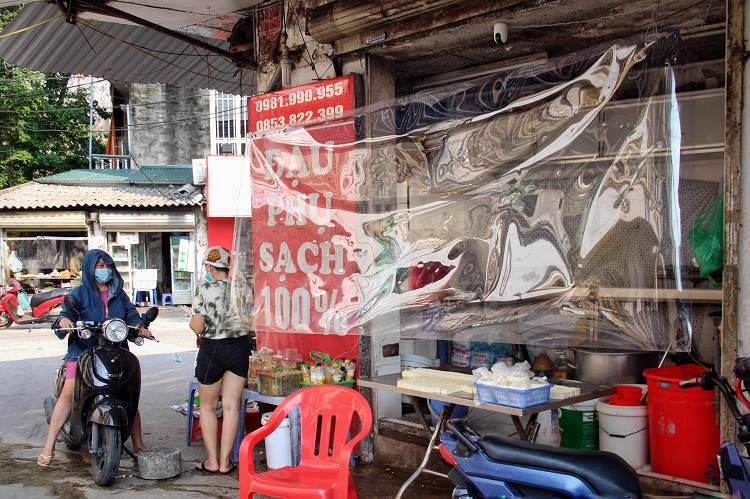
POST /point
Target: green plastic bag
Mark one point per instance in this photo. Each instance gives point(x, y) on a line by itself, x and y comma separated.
point(707, 239)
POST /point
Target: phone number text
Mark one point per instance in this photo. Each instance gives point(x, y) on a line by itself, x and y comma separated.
point(301, 118)
point(301, 96)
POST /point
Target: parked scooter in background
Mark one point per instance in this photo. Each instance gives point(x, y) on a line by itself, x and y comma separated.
point(106, 392)
point(734, 467)
point(45, 307)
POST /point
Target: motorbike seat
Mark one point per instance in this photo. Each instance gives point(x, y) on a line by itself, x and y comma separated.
point(40, 298)
point(607, 473)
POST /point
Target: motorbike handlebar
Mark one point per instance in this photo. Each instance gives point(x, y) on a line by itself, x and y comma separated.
point(95, 325)
point(689, 382)
point(742, 368)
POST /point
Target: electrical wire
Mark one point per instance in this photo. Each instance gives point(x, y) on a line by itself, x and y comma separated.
point(27, 28)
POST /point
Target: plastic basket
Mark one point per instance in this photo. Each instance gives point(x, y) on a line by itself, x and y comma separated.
point(513, 398)
point(349, 383)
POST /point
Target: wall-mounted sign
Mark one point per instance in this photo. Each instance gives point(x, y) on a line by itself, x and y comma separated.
point(268, 32)
point(127, 238)
point(228, 191)
point(303, 105)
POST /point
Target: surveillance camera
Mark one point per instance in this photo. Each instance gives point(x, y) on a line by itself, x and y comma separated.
point(501, 33)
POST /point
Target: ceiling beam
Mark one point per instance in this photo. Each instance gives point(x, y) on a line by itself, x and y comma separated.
point(72, 8)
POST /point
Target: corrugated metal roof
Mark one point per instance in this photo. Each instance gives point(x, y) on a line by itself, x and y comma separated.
point(35, 195)
point(147, 175)
point(118, 52)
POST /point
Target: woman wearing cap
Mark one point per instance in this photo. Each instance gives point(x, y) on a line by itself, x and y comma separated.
point(223, 357)
point(99, 296)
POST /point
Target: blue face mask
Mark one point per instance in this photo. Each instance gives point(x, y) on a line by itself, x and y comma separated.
point(103, 275)
point(208, 277)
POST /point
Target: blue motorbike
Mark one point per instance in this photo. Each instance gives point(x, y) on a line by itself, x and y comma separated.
point(489, 466)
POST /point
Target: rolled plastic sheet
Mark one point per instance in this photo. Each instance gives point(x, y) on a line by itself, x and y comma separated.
point(539, 206)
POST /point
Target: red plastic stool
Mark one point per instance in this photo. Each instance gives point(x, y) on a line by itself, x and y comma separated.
point(196, 430)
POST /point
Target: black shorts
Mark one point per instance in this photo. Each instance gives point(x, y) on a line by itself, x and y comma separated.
point(215, 357)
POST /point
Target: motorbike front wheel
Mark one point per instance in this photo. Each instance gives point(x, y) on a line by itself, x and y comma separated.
point(106, 461)
point(5, 320)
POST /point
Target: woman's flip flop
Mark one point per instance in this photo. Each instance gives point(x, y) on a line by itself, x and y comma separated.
point(43, 460)
point(202, 467)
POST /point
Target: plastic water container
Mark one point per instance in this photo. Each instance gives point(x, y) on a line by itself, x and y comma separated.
point(278, 444)
point(579, 426)
point(549, 427)
point(623, 430)
point(682, 424)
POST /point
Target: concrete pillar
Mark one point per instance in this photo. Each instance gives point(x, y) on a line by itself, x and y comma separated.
point(736, 277)
point(377, 341)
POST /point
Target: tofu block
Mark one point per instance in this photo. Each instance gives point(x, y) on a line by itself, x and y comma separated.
point(559, 392)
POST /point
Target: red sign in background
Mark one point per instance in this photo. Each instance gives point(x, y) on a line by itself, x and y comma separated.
point(301, 203)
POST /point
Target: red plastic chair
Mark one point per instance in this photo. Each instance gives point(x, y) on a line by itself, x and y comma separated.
point(326, 415)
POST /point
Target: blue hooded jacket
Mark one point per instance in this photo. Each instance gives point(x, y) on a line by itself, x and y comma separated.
point(90, 303)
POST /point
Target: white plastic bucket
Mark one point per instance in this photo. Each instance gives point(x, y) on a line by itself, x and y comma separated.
point(623, 429)
point(278, 444)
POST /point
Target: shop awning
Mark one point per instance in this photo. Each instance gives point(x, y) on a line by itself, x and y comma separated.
point(139, 221)
point(43, 220)
point(117, 52)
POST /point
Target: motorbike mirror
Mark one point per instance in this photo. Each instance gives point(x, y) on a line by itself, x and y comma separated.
point(151, 314)
point(71, 302)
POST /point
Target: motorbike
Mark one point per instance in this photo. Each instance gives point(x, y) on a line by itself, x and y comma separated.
point(498, 466)
point(733, 466)
point(45, 307)
point(491, 465)
point(106, 391)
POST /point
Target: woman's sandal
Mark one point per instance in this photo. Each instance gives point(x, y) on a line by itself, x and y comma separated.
point(43, 460)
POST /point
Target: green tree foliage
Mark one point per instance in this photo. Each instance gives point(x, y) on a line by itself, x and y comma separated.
point(44, 123)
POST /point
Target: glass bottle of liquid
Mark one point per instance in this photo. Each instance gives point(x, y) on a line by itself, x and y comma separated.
point(561, 367)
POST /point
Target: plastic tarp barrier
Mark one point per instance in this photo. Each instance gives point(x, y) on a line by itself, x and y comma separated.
point(538, 205)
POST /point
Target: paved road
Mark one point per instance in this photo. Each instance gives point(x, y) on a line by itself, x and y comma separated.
point(28, 359)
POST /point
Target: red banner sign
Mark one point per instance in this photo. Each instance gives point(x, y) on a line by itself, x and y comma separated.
point(299, 106)
point(303, 203)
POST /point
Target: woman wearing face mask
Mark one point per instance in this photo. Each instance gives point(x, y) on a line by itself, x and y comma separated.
point(223, 356)
point(100, 296)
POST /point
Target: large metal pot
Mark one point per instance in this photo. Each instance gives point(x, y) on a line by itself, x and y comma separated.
point(602, 366)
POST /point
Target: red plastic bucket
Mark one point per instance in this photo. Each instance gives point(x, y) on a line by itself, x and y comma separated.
point(626, 395)
point(684, 437)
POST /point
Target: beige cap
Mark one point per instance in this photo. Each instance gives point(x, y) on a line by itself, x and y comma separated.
point(218, 257)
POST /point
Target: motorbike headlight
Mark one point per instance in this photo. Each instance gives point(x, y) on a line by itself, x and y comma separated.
point(85, 334)
point(115, 330)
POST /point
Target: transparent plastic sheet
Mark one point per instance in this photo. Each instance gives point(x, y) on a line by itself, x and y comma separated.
point(537, 206)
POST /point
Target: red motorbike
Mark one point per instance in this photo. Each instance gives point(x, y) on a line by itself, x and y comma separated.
point(42, 305)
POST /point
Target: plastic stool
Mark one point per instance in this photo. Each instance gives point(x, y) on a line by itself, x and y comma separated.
point(166, 297)
point(150, 292)
point(240, 426)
